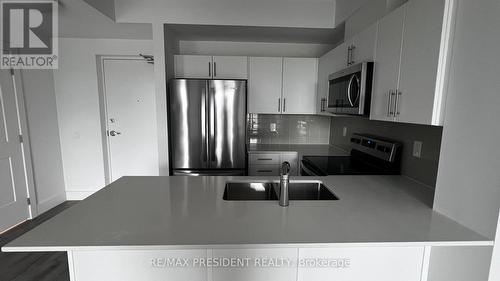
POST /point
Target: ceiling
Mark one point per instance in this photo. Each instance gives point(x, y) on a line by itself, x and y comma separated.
point(257, 34)
point(77, 19)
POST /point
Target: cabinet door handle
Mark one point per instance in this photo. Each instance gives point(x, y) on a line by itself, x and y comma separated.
point(265, 159)
point(279, 104)
point(215, 69)
point(352, 53)
point(265, 171)
point(210, 69)
point(348, 55)
point(389, 104)
point(398, 101)
point(284, 104)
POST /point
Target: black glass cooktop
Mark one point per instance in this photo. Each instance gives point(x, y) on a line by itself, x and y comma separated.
point(356, 164)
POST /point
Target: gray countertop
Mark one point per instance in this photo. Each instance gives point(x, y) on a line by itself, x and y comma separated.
point(302, 149)
point(184, 212)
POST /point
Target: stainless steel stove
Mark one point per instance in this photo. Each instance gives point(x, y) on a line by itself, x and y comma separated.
point(370, 155)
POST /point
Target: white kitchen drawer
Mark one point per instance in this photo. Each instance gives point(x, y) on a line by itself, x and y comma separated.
point(264, 159)
point(264, 170)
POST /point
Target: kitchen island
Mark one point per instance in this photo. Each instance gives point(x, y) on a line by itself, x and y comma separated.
point(136, 227)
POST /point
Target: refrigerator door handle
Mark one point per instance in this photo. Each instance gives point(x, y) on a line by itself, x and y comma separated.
point(204, 125)
point(213, 125)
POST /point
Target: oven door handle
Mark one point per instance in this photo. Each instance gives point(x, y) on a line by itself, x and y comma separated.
point(349, 90)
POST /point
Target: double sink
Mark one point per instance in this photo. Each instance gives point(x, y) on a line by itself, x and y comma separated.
point(270, 190)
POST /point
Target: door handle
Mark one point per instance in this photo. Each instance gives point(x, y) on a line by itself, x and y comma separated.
point(209, 69)
point(284, 104)
point(213, 119)
point(352, 54)
point(215, 69)
point(348, 55)
point(279, 104)
point(396, 105)
point(349, 90)
point(114, 133)
point(389, 104)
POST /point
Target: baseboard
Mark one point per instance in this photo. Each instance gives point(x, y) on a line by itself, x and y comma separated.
point(78, 194)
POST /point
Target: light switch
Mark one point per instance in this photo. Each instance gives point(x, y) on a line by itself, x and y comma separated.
point(344, 132)
point(417, 149)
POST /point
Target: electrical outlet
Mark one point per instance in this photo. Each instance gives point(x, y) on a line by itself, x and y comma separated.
point(344, 132)
point(272, 127)
point(417, 149)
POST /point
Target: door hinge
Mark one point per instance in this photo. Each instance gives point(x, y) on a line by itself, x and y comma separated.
point(28, 200)
point(21, 139)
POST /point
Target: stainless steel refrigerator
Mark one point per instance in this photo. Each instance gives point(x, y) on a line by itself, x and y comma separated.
point(207, 129)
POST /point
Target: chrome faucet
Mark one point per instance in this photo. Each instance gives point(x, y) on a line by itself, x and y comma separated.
point(284, 181)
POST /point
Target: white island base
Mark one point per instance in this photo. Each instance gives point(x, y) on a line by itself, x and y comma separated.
point(360, 263)
point(381, 229)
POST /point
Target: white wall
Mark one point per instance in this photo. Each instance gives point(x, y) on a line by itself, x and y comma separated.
point(292, 13)
point(41, 111)
point(78, 108)
point(253, 49)
point(345, 8)
point(495, 259)
point(107, 7)
point(368, 13)
point(468, 183)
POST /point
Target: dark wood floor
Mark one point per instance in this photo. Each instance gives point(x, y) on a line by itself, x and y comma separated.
point(51, 266)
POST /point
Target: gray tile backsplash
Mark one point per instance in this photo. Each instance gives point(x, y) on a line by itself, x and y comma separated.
point(288, 129)
point(422, 169)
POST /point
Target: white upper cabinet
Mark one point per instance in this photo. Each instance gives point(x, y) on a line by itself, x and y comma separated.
point(363, 45)
point(208, 67)
point(265, 85)
point(358, 49)
point(419, 61)
point(230, 67)
point(331, 62)
point(193, 66)
point(411, 63)
point(300, 76)
point(386, 73)
point(282, 85)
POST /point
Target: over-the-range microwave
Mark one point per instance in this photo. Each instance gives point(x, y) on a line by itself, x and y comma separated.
point(350, 90)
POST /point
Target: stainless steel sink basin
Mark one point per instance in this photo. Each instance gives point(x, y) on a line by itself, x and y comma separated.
point(309, 191)
point(246, 191)
point(298, 190)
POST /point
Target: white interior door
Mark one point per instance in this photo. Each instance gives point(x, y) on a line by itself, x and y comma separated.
point(13, 190)
point(131, 118)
